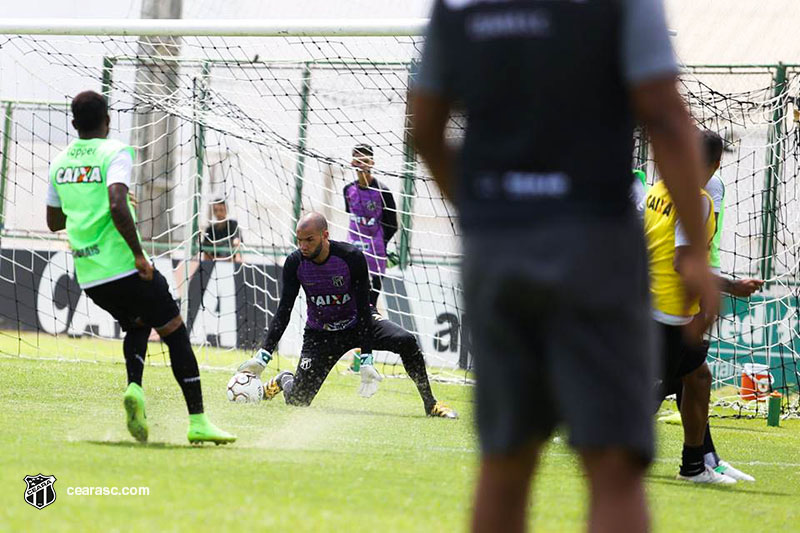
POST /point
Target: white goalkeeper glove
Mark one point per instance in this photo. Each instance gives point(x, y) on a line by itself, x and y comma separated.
point(369, 377)
point(257, 363)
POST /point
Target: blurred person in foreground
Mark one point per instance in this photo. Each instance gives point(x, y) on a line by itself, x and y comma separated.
point(555, 270)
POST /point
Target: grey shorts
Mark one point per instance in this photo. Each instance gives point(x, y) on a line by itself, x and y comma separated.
point(561, 333)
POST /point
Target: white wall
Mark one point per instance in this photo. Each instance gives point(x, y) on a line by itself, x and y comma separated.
point(735, 31)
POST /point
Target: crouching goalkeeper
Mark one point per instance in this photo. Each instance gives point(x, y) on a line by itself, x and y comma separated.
point(335, 279)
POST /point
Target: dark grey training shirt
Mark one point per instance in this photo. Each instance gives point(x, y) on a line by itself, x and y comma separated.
point(646, 51)
point(545, 86)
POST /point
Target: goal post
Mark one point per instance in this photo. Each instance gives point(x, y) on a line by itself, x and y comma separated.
point(395, 27)
point(264, 115)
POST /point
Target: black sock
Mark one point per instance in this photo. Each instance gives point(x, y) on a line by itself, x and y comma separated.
point(414, 363)
point(134, 346)
point(709, 451)
point(184, 368)
point(692, 460)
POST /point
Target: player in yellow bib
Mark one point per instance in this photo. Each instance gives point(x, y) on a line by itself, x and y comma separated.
point(88, 196)
point(681, 320)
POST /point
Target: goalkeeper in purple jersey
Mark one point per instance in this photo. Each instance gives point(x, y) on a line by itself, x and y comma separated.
point(335, 279)
point(373, 216)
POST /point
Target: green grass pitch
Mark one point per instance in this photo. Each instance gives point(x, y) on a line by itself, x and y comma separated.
point(343, 464)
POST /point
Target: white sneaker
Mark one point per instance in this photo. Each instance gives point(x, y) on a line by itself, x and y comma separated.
point(726, 469)
point(707, 476)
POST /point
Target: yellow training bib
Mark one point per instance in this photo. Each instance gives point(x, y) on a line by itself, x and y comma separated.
point(660, 216)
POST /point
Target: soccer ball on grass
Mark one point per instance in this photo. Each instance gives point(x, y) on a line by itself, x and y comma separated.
point(245, 387)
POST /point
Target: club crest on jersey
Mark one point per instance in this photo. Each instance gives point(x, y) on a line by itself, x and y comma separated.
point(79, 175)
point(330, 299)
point(39, 491)
point(371, 205)
point(338, 281)
point(305, 363)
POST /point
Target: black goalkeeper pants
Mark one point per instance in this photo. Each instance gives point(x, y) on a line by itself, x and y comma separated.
point(322, 349)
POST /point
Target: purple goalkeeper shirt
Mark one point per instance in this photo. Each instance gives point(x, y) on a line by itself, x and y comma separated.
point(337, 294)
point(373, 221)
point(329, 294)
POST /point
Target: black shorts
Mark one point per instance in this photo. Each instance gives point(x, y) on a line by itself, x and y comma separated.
point(678, 357)
point(561, 332)
point(323, 349)
point(134, 302)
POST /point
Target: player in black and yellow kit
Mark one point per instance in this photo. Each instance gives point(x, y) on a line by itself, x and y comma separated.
point(681, 319)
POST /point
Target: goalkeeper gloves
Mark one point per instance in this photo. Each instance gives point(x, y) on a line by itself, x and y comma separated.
point(369, 376)
point(257, 363)
point(392, 259)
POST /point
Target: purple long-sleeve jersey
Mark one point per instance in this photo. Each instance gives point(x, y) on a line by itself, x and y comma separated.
point(337, 294)
point(373, 221)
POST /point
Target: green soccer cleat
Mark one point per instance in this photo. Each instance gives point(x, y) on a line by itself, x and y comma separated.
point(442, 410)
point(134, 407)
point(202, 430)
point(673, 418)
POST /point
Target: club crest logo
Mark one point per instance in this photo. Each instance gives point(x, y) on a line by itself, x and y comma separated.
point(39, 491)
point(371, 205)
point(305, 363)
point(338, 281)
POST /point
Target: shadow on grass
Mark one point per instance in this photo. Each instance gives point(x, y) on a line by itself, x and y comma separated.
point(747, 430)
point(670, 480)
point(344, 411)
point(147, 446)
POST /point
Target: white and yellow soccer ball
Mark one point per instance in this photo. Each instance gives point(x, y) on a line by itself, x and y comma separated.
point(245, 387)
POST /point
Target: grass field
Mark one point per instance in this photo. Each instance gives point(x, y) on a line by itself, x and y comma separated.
point(343, 464)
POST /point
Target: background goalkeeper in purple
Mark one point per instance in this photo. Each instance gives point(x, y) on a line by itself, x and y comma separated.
point(373, 216)
point(366, 230)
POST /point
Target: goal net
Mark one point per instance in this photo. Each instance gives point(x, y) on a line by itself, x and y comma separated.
point(754, 343)
point(267, 125)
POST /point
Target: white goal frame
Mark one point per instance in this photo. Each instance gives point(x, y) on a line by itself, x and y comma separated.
point(413, 27)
